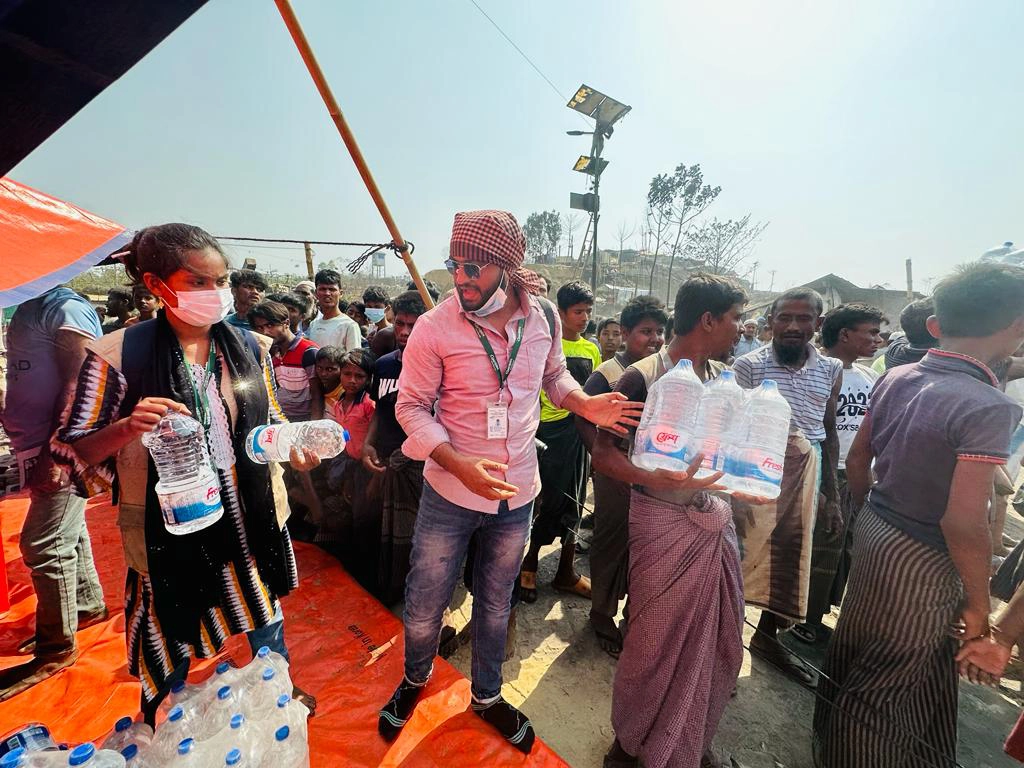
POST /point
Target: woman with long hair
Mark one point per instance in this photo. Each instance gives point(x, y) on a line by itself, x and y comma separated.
point(186, 594)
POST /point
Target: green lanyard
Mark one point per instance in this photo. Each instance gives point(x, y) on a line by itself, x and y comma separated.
point(199, 397)
point(512, 354)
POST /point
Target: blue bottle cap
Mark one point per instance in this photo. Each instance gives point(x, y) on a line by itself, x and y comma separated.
point(263, 652)
point(129, 752)
point(176, 713)
point(224, 692)
point(237, 720)
point(268, 673)
point(727, 376)
point(178, 687)
point(221, 668)
point(81, 754)
point(12, 758)
point(123, 724)
point(234, 757)
point(185, 746)
point(282, 700)
point(282, 733)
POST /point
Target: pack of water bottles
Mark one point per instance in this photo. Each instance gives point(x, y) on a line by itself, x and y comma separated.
point(239, 717)
point(742, 433)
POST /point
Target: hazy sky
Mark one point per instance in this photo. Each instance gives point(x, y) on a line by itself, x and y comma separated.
point(865, 133)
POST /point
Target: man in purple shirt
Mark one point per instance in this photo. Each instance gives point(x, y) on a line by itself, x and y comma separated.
point(469, 402)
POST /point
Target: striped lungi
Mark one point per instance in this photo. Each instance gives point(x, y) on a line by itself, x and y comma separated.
point(888, 696)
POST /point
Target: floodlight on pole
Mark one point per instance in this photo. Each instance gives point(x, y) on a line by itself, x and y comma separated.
point(605, 112)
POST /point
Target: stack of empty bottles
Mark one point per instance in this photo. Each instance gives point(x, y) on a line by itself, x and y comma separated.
point(245, 718)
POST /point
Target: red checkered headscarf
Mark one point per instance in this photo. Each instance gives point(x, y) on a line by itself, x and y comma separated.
point(494, 237)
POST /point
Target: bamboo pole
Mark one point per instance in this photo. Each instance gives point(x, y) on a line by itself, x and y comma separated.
point(306, 52)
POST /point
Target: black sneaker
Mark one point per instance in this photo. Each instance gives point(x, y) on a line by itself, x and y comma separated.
point(396, 713)
point(510, 722)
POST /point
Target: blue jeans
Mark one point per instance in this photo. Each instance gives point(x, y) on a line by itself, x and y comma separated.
point(439, 544)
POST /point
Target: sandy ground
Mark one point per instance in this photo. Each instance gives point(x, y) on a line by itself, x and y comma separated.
point(562, 679)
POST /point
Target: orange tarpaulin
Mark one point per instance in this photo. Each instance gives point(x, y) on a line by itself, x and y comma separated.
point(346, 649)
point(45, 241)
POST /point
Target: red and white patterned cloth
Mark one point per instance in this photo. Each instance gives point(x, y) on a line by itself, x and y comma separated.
point(494, 237)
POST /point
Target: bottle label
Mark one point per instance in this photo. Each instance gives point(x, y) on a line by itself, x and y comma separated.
point(193, 503)
point(263, 443)
point(764, 468)
point(663, 438)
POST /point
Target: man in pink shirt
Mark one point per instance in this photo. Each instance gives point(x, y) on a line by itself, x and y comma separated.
point(469, 402)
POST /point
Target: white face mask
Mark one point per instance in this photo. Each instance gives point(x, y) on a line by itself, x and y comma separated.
point(493, 304)
point(374, 314)
point(202, 308)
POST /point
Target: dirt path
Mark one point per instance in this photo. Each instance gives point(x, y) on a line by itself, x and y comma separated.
point(563, 681)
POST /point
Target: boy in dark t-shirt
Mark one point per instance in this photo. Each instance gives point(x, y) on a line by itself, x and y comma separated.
point(401, 479)
point(935, 432)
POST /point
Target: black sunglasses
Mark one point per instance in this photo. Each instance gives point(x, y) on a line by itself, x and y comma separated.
point(469, 269)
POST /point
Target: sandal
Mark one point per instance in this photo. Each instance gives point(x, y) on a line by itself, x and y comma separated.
point(581, 588)
point(805, 633)
point(786, 662)
point(528, 586)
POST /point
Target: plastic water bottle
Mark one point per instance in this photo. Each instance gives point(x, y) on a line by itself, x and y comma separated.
point(290, 712)
point(87, 755)
point(175, 728)
point(133, 757)
point(273, 442)
point(265, 656)
point(223, 674)
point(242, 733)
point(188, 489)
point(218, 714)
point(261, 698)
point(286, 751)
point(126, 732)
point(754, 463)
point(668, 419)
point(188, 755)
point(717, 411)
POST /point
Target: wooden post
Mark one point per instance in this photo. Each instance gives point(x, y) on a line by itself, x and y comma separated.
point(910, 281)
point(306, 52)
point(309, 260)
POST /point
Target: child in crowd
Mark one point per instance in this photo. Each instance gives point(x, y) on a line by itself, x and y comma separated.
point(146, 303)
point(348, 403)
point(294, 359)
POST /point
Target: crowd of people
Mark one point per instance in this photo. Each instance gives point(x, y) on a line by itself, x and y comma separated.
point(474, 429)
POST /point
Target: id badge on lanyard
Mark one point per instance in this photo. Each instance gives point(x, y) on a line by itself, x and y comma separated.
point(497, 413)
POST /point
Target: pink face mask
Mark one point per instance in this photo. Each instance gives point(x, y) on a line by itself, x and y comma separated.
point(204, 307)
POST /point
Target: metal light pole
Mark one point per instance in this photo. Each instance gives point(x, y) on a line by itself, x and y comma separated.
point(595, 153)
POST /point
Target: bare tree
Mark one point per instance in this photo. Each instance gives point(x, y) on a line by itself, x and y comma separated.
point(658, 216)
point(692, 198)
point(723, 247)
point(570, 224)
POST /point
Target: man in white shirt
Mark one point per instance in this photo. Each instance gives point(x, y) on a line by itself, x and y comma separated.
point(848, 332)
point(748, 339)
point(332, 327)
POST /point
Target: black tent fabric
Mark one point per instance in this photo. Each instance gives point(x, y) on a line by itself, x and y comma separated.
point(57, 55)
